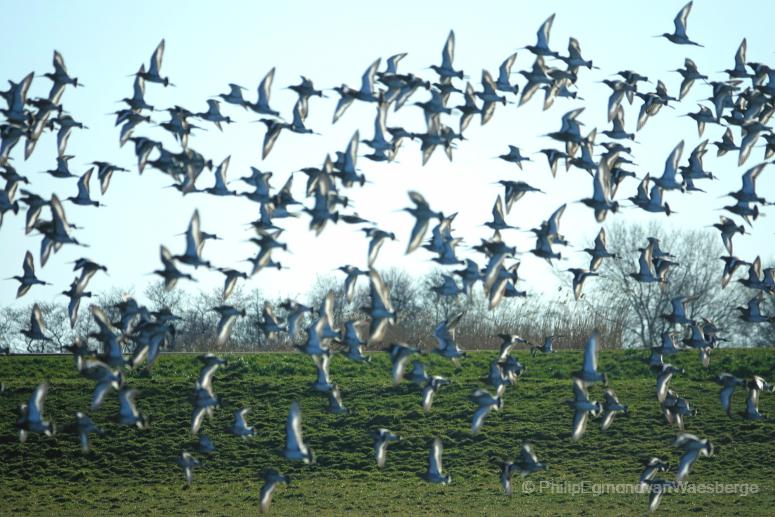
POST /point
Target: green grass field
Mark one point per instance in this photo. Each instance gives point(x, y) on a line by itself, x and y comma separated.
point(134, 472)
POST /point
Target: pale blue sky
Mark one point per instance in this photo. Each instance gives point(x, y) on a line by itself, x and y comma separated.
point(210, 45)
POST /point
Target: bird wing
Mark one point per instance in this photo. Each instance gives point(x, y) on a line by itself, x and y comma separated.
point(100, 390)
point(381, 290)
point(156, 59)
point(740, 61)
point(61, 226)
point(28, 265)
point(197, 417)
point(579, 391)
point(335, 398)
point(749, 178)
point(434, 463)
point(59, 64)
point(479, 416)
point(671, 164)
point(448, 52)
point(239, 418)
point(126, 398)
point(655, 496)
point(264, 88)
point(367, 81)
point(351, 153)
point(504, 72)
point(341, 106)
point(726, 397)
point(543, 33)
point(139, 85)
point(681, 19)
point(662, 381)
point(101, 319)
point(224, 327)
point(193, 236)
point(590, 354)
point(265, 496)
point(35, 406)
point(427, 397)
point(399, 365)
point(488, 84)
point(608, 418)
point(293, 435)
point(37, 326)
point(206, 376)
point(418, 233)
point(579, 423)
point(272, 132)
point(644, 261)
point(220, 174)
point(610, 398)
point(602, 182)
point(685, 438)
point(685, 463)
point(380, 450)
point(752, 402)
point(392, 63)
point(554, 219)
point(506, 478)
point(600, 241)
point(528, 455)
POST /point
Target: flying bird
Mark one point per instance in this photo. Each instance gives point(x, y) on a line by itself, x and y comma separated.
point(678, 36)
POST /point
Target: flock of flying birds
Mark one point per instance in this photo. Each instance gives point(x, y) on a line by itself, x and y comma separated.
point(744, 102)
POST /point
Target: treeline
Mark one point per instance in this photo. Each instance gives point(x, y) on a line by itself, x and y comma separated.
point(626, 313)
point(419, 312)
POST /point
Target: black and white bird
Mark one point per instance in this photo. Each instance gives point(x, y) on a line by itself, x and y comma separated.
point(240, 425)
point(27, 278)
point(31, 418)
point(755, 386)
point(272, 478)
point(678, 36)
point(400, 354)
point(128, 413)
point(37, 330)
point(429, 390)
point(728, 384)
point(664, 376)
point(693, 448)
point(611, 407)
point(382, 438)
point(187, 463)
point(652, 467)
point(228, 318)
point(527, 463)
point(153, 73)
point(485, 404)
point(445, 337)
point(85, 426)
point(582, 408)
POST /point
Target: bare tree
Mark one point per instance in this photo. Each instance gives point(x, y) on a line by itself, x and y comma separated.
point(159, 297)
point(697, 276)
